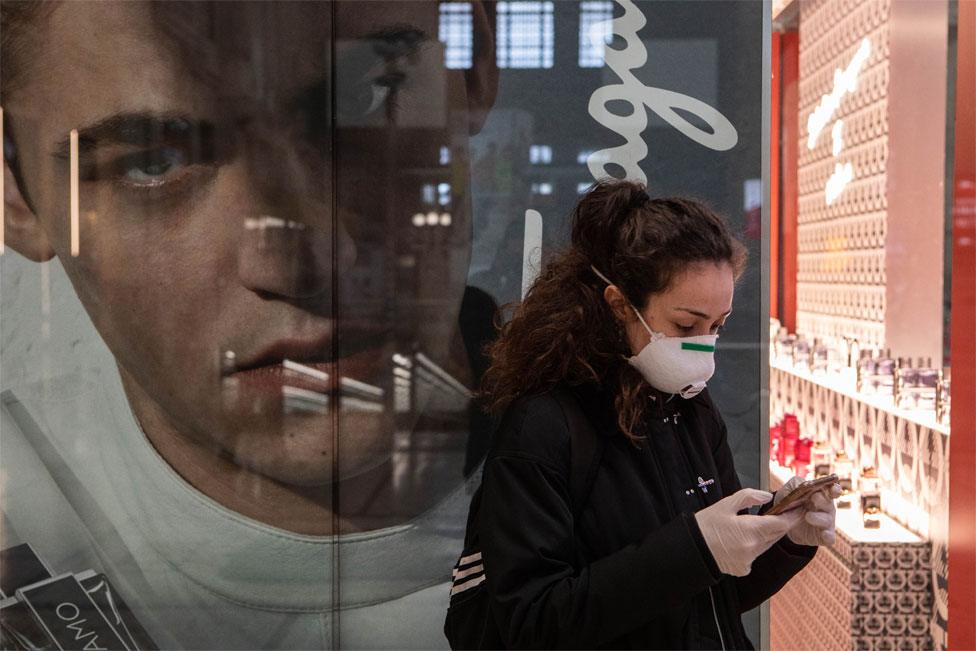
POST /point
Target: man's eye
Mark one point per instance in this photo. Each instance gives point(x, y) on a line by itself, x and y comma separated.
point(150, 167)
point(684, 328)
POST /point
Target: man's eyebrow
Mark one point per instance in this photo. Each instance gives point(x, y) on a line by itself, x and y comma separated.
point(397, 32)
point(699, 314)
point(132, 129)
point(399, 36)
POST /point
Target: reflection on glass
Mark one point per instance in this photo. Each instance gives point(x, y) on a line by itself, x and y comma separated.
point(3, 203)
point(243, 392)
point(595, 32)
point(274, 203)
point(455, 30)
point(75, 244)
point(540, 154)
point(525, 34)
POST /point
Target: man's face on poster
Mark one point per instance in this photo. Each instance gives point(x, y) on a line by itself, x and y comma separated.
point(248, 176)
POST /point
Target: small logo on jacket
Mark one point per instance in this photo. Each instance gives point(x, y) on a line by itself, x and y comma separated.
point(703, 484)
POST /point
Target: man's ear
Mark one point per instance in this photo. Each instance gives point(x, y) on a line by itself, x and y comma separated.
point(22, 229)
point(482, 78)
point(618, 303)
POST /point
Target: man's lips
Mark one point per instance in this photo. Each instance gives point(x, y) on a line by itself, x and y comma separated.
point(317, 377)
point(368, 366)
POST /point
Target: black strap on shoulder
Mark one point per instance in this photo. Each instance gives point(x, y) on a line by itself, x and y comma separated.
point(586, 450)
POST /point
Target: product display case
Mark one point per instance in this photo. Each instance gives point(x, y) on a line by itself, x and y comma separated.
point(883, 583)
point(859, 353)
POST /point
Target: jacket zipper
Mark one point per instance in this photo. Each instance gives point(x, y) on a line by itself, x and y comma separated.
point(673, 512)
point(711, 596)
point(718, 626)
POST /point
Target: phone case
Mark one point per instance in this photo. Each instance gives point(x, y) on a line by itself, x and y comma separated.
point(801, 494)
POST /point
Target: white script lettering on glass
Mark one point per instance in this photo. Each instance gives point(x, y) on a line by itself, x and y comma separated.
point(531, 249)
point(662, 102)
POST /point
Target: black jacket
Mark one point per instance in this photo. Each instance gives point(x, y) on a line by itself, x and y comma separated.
point(634, 571)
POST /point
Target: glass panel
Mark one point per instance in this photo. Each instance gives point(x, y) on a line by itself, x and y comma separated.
point(254, 253)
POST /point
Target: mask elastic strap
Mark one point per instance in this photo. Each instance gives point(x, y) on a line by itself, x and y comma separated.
point(602, 277)
point(654, 335)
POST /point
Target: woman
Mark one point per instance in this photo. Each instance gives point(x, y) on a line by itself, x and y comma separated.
point(626, 321)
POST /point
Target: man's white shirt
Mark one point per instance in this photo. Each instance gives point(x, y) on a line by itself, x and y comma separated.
point(85, 487)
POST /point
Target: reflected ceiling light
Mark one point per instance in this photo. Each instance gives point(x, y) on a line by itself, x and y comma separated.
point(418, 219)
point(351, 387)
point(291, 365)
point(228, 362)
point(445, 219)
point(432, 218)
point(2, 164)
point(297, 398)
point(75, 238)
point(264, 222)
point(402, 360)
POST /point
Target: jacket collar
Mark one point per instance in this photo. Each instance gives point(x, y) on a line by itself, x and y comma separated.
point(597, 402)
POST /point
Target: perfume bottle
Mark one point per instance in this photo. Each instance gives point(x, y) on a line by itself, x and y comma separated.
point(942, 398)
point(844, 469)
point(821, 457)
point(870, 498)
point(904, 377)
point(791, 434)
point(774, 330)
point(927, 386)
point(819, 357)
point(917, 388)
point(67, 611)
point(883, 381)
point(801, 353)
point(864, 367)
point(775, 440)
point(801, 460)
point(784, 346)
point(852, 349)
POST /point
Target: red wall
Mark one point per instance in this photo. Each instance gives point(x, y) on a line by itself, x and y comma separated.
point(790, 125)
point(962, 441)
point(774, 163)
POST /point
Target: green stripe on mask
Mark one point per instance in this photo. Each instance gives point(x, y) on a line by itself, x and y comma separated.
point(705, 348)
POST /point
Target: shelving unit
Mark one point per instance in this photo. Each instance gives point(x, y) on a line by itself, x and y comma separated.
point(859, 601)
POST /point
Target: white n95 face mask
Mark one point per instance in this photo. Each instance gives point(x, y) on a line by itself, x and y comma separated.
point(681, 365)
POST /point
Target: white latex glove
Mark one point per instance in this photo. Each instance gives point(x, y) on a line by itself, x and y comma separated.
point(736, 540)
point(817, 527)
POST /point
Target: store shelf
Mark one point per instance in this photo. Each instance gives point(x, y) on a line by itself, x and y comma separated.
point(849, 521)
point(872, 587)
point(845, 385)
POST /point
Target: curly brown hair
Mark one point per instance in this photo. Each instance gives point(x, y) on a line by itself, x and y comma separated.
point(564, 331)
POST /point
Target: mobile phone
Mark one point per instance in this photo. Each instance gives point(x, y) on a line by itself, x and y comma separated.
point(802, 493)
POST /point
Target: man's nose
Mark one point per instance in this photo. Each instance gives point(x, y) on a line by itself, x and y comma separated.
point(294, 240)
point(291, 259)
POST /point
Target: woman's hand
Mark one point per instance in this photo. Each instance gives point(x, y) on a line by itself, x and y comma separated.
point(736, 540)
point(817, 527)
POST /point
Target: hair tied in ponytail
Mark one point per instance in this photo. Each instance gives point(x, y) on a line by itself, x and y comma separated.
point(640, 200)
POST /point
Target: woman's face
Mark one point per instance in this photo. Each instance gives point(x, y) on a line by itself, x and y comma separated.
point(698, 302)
